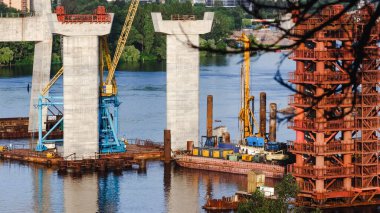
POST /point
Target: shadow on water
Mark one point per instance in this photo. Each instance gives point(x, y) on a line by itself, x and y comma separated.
point(23, 70)
point(16, 71)
point(153, 66)
point(147, 66)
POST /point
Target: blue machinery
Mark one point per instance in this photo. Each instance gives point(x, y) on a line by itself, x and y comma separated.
point(108, 124)
point(45, 101)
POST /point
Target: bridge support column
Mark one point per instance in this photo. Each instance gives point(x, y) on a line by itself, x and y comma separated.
point(81, 95)
point(182, 76)
point(41, 77)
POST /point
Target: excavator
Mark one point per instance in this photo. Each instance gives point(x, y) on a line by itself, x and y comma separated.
point(108, 100)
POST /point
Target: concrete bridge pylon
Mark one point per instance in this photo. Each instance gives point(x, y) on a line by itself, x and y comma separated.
point(182, 76)
point(81, 71)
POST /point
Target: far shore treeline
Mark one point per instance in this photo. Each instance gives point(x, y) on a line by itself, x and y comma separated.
point(143, 43)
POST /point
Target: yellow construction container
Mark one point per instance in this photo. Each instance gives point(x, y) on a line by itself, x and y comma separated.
point(50, 155)
point(195, 151)
point(227, 152)
point(247, 157)
point(216, 153)
point(205, 152)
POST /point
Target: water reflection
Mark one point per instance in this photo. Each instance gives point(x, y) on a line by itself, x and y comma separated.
point(22, 70)
point(109, 192)
point(41, 195)
point(184, 190)
point(209, 59)
point(15, 71)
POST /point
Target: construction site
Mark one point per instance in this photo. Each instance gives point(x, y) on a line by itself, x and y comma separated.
point(330, 148)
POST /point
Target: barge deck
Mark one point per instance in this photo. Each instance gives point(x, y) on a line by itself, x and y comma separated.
point(236, 167)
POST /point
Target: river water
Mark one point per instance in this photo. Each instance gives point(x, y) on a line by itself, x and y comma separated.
point(142, 91)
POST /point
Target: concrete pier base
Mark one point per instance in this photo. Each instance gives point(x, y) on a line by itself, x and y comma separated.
point(81, 96)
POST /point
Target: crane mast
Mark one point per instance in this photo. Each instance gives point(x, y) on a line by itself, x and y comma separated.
point(246, 115)
point(109, 86)
point(108, 101)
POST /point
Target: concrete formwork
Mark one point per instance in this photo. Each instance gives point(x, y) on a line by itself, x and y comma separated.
point(182, 76)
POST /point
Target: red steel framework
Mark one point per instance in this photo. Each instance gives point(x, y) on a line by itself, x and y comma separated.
point(337, 130)
point(100, 16)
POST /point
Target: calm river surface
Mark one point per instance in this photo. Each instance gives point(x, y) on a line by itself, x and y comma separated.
point(30, 188)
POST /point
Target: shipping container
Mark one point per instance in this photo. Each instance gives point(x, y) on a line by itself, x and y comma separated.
point(205, 152)
point(195, 151)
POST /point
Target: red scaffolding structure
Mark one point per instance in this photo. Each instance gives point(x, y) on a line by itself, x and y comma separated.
point(336, 123)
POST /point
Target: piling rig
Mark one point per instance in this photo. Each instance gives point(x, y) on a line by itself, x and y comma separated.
point(246, 116)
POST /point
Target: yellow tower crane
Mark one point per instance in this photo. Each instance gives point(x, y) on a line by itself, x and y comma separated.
point(108, 102)
point(109, 86)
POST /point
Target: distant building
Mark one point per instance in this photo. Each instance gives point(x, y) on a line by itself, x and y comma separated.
point(23, 5)
point(222, 3)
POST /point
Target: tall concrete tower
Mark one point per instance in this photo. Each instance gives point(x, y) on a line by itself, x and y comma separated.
point(182, 75)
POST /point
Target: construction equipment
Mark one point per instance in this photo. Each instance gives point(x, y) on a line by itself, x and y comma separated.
point(246, 116)
point(109, 86)
point(109, 103)
point(52, 82)
point(276, 156)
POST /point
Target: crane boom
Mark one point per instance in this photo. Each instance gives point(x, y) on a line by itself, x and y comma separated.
point(52, 82)
point(122, 39)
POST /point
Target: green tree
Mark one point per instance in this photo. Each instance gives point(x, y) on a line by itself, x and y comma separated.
point(148, 34)
point(285, 190)
point(6, 55)
point(222, 27)
point(130, 53)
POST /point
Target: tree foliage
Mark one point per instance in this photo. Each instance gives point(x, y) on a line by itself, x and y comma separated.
point(6, 55)
point(285, 190)
point(130, 54)
point(150, 45)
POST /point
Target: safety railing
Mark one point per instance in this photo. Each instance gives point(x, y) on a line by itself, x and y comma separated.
point(178, 17)
point(322, 34)
point(334, 147)
point(141, 142)
point(328, 78)
point(324, 172)
point(328, 101)
point(332, 54)
point(305, 186)
point(72, 19)
point(313, 125)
